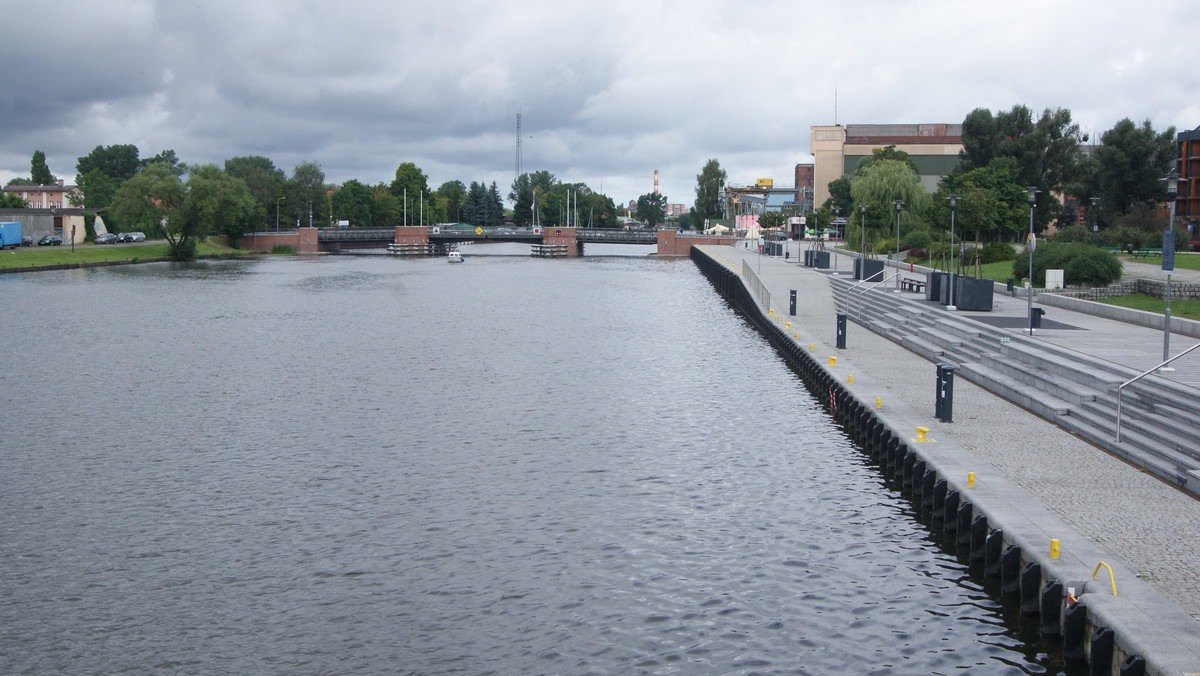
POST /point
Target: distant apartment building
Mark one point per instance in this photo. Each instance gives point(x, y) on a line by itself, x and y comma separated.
point(1187, 205)
point(838, 150)
point(56, 196)
point(674, 210)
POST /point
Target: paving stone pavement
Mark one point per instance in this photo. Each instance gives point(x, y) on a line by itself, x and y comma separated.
point(1151, 528)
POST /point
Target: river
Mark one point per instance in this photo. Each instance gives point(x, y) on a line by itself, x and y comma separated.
point(372, 465)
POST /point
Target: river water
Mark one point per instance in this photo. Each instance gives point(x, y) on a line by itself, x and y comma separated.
point(371, 465)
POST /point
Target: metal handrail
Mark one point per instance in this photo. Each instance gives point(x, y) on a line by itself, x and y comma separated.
point(864, 291)
point(1139, 377)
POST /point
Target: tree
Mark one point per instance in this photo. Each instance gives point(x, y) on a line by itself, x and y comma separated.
point(39, 172)
point(709, 184)
point(10, 200)
point(1045, 152)
point(878, 187)
point(264, 181)
point(1130, 162)
point(888, 153)
point(352, 202)
point(495, 206)
point(839, 196)
point(475, 207)
point(305, 193)
point(523, 207)
point(990, 204)
point(409, 184)
point(118, 162)
point(652, 208)
point(449, 198)
point(214, 203)
point(150, 201)
point(386, 210)
point(168, 158)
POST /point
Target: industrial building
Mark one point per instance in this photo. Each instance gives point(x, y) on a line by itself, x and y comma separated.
point(838, 150)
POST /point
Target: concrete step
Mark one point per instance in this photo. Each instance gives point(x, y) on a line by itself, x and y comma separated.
point(1063, 388)
point(1068, 365)
point(1022, 394)
point(921, 347)
point(1135, 447)
point(1174, 433)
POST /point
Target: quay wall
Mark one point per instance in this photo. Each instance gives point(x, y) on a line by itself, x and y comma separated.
point(988, 520)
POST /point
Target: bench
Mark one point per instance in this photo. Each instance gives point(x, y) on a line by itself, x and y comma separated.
point(914, 285)
point(1145, 253)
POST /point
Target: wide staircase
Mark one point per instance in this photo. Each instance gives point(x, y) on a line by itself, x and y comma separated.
point(1159, 430)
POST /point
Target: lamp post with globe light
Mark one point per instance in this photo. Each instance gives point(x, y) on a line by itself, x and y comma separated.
point(953, 204)
point(1168, 259)
point(1030, 244)
point(899, 205)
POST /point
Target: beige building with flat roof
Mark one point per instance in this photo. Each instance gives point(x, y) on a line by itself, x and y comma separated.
point(838, 150)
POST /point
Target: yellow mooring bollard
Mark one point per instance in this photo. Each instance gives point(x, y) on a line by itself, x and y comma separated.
point(849, 380)
point(878, 402)
point(970, 479)
point(788, 326)
point(812, 346)
point(921, 434)
point(1054, 549)
point(833, 361)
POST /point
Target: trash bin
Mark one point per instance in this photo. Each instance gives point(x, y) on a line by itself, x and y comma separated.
point(841, 330)
point(792, 303)
point(944, 399)
point(1035, 317)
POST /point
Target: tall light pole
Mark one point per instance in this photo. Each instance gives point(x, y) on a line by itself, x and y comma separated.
point(863, 243)
point(1168, 259)
point(1095, 201)
point(953, 204)
point(899, 204)
point(277, 201)
point(1030, 244)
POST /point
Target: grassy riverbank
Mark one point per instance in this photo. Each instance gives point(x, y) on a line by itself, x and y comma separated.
point(87, 254)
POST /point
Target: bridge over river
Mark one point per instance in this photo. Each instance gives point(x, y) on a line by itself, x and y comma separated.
point(435, 240)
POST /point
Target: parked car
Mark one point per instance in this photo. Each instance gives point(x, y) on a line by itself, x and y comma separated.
point(135, 237)
point(50, 240)
point(107, 238)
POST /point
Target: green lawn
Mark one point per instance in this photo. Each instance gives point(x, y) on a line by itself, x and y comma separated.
point(97, 253)
point(1183, 260)
point(1188, 309)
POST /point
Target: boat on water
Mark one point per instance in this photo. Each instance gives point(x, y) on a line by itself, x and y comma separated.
point(454, 257)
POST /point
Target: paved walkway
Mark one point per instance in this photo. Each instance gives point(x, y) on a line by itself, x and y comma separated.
point(1149, 527)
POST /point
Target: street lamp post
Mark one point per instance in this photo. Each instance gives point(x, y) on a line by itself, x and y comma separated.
point(953, 204)
point(1168, 260)
point(1095, 228)
point(899, 204)
point(863, 243)
point(277, 201)
point(1030, 244)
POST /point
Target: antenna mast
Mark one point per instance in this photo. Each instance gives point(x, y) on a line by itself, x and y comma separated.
point(518, 146)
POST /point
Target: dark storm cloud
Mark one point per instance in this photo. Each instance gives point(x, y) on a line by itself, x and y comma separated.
point(608, 92)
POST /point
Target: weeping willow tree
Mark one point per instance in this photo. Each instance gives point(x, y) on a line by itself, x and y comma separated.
point(877, 187)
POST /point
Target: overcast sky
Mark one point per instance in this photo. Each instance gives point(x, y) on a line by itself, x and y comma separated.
point(608, 91)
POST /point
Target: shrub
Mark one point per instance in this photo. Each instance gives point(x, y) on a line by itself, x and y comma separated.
point(1091, 267)
point(917, 239)
point(284, 249)
point(183, 250)
point(1072, 233)
point(1082, 264)
point(997, 252)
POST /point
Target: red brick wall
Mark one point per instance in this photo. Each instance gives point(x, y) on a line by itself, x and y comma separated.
point(412, 234)
point(671, 244)
point(556, 236)
point(304, 240)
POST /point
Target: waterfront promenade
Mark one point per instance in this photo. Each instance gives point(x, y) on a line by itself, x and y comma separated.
point(1147, 530)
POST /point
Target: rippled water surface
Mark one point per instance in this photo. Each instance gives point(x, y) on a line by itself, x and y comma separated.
point(367, 465)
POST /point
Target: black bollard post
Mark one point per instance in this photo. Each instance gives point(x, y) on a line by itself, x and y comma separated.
point(937, 391)
point(947, 393)
point(841, 330)
point(792, 306)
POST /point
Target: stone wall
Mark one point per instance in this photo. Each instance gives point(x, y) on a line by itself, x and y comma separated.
point(1150, 287)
